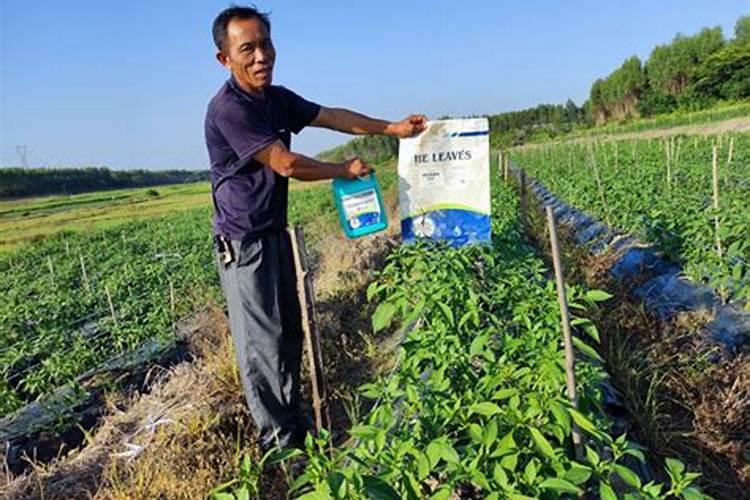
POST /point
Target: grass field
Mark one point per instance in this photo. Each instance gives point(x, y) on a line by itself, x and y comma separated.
point(31, 219)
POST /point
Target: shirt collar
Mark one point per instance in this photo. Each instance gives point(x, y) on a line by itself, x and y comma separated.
point(232, 82)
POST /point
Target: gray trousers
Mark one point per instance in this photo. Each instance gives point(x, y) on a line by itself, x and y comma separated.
point(264, 317)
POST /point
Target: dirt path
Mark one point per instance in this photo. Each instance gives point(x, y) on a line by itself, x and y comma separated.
point(733, 126)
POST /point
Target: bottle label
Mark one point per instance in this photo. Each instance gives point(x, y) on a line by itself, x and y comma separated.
point(361, 209)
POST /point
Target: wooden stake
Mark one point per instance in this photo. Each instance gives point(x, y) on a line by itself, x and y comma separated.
point(309, 325)
point(83, 272)
point(522, 196)
point(715, 171)
point(668, 149)
point(616, 154)
point(172, 300)
point(51, 268)
point(731, 151)
point(506, 167)
point(111, 305)
point(599, 184)
point(570, 380)
point(500, 162)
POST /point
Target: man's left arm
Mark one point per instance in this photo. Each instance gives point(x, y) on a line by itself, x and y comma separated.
point(351, 122)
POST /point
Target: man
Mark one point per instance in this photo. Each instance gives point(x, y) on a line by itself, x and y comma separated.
point(248, 129)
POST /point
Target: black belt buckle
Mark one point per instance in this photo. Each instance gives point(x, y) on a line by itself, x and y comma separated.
point(224, 248)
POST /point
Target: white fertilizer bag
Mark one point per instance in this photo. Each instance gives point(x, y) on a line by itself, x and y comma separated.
point(444, 183)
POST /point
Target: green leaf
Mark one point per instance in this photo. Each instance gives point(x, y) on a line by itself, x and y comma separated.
point(477, 345)
point(541, 442)
point(315, 495)
point(476, 433)
point(490, 433)
point(487, 409)
point(561, 485)
point(583, 422)
point(223, 496)
point(504, 394)
point(449, 454)
point(447, 313)
point(443, 493)
point(586, 349)
point(365, 432)
point(561, 416)
point(424, 467)
point(377, 489)
point(373, 289)
point(577, 474)
point(627, 475)
point(597, 296)
point(606, 492)
point(499, 475)
point(383, 316)
point(434, 450)
point(278, 456)
point(675, 466)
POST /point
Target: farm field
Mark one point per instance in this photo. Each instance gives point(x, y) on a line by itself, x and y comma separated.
point(79, 297)
point(28, 220)
point(475, 407)
point(663, 191)
point(671, 120)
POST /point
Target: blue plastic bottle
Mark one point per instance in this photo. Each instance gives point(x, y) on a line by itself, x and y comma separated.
point(360, 206)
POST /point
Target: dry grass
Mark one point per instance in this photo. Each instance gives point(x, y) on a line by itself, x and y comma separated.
point(188, 427)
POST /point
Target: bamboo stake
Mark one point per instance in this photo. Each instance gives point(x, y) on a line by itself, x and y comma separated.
point(111, 305)
point(83, 271)
point(172, 300)
point(715, 172)
point(51, 268)
point(506, 167)
point(731, 151)
point(599, 184)
point(500, 161)
point(309, 326)
point(570, 381)
point(616, 155)
point(522, 196)
point(667, 148)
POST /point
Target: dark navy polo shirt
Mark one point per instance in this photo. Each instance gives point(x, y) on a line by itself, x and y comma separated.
point(249, 198)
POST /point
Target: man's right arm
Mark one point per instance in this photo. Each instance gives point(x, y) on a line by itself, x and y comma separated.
point(288, 164)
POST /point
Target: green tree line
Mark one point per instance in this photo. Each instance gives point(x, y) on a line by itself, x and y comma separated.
point(21, 182)
point(690, 72)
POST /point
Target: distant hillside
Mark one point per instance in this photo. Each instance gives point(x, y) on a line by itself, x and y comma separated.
point(24, 182)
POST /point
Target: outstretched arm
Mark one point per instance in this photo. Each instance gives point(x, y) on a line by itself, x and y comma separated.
point(301, 167)
point(351, 122)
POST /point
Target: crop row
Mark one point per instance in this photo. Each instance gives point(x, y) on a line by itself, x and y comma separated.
point(664, 192)
point(72, 301)
point(476, 406)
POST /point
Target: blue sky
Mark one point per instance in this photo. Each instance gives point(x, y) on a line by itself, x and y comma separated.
point(125, 84)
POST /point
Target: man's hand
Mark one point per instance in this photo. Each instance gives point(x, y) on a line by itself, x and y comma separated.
point(355, 168)
point(408, 127)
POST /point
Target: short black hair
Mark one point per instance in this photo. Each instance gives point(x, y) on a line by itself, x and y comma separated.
point(221, 22)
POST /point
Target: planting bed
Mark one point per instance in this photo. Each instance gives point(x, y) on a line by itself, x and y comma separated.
point(673, 348)
point(475, 407)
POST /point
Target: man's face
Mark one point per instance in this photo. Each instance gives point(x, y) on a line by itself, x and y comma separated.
point(249, 54)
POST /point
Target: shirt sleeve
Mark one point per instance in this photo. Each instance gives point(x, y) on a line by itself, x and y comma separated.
point(247, 132)
point(301, 111)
